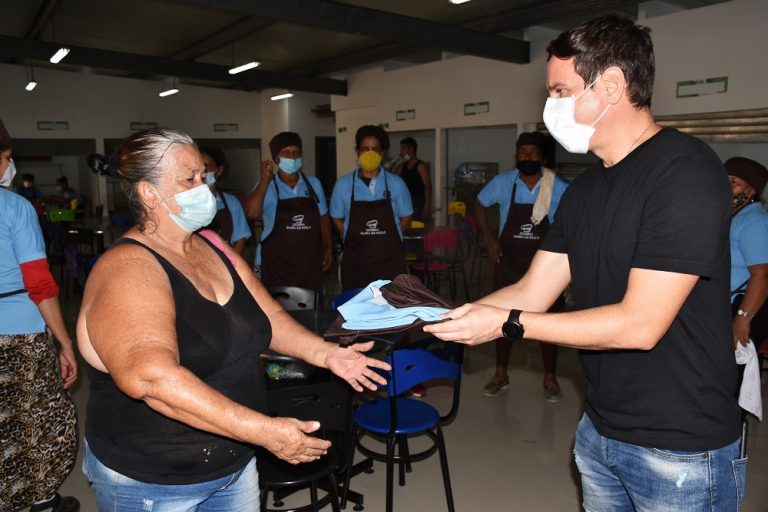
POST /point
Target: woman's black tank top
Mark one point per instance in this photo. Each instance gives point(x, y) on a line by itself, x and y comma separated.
point(221, 346)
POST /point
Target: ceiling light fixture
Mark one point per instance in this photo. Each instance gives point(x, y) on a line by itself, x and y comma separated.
point(244, 67)
point(32, 83)
point(282, 96)
point(59, 55)
point(457, 2)
point(168, 92)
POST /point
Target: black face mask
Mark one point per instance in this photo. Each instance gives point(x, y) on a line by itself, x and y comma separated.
point(528, 167)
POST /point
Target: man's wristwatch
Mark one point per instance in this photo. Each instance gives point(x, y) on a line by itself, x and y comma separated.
point(746, 314)
point(512, 328)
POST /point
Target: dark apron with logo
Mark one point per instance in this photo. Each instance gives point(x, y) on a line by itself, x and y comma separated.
point(222, 222)
point(519, 241)
point(292, 253)
point(372, 246)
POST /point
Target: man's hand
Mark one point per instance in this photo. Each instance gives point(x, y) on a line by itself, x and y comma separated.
point(327, 259)
point(289, 441)
point(471, 324)
point(494, 250)
point(741, 326)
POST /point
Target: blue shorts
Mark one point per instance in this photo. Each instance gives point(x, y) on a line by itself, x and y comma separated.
point(619, 477)
point(238, 492)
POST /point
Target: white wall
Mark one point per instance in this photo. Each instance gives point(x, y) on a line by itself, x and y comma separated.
point(726, 39)
point(295, 115)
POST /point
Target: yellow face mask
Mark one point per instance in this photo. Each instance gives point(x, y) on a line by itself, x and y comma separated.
point(369, 161)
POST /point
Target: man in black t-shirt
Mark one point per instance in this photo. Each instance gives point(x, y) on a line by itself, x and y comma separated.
point(642, 237)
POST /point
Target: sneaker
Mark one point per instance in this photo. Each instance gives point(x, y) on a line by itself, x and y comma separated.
point(58, 503)
point(495, 386)
point(419, 390)
point(552, 392)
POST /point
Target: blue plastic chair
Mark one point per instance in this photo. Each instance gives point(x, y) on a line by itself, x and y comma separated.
point(397, 417)
point(344, 297)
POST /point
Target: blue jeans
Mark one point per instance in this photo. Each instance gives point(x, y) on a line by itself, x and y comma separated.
point(238, 492)
point(617, 477)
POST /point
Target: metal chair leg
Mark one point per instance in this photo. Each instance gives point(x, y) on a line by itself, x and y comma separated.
point(390, 472)
point(444, 467)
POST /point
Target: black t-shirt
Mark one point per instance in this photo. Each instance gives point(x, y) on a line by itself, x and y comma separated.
point(666, 206)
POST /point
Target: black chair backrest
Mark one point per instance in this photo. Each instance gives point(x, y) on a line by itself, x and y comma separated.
point(293, 298)
point(329, 402)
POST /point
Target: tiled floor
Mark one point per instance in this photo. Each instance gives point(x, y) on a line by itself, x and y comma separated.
point(511, 452)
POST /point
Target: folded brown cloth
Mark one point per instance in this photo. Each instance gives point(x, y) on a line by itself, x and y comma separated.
point(405, 290)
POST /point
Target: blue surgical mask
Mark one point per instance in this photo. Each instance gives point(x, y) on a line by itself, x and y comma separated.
point(210, 178)
point(198, 208)
point(290, 165)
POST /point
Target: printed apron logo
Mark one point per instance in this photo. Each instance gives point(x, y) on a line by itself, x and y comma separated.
point(526, 232)
point(298, 223)
point(372, 228)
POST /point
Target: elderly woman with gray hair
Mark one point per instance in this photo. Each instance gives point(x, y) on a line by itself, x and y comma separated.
point(171, 325)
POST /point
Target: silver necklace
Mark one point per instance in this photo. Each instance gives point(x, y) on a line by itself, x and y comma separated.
point(631, 146)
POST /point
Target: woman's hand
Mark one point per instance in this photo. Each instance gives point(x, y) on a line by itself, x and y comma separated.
point(355, 368)
point(288, 440)
point(471, 324)
point(68, 365)
point(741, 327)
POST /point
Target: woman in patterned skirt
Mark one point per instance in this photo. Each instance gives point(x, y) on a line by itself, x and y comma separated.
point(38, 425)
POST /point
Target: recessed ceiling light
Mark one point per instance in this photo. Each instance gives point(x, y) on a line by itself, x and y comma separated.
point(457, 2)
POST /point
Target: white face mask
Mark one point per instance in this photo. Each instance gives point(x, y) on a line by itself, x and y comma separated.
point(561, 123)
point(10, 173)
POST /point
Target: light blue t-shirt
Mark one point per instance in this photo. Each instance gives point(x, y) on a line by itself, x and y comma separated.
point(749, 242)
point(240, 228)
point(269, 208)
point(21, 241)
point(499, 191)
point(399, 195)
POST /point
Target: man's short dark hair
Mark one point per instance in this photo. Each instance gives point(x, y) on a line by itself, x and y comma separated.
point(28, 177)
point(410, 143)
point(62, 180)
point(370, 130)
point(610, 41)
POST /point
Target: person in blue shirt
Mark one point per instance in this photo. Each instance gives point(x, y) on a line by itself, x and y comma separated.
point(749, 250)
point(295, 246)
point(230, 222)
point(371, 208)
point(28, 189)
point(528, 198)
point(38, 424)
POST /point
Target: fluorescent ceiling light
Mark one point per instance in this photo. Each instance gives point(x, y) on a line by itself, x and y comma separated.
point(59, 55)
point(31, 85)
point(457, 2)
point(168, 92)
point(244, 67)
point(282, 96)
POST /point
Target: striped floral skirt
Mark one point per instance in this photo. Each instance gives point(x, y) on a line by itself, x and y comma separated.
point(38, 422)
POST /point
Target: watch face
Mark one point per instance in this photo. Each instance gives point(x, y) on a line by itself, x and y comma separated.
point(512, 330)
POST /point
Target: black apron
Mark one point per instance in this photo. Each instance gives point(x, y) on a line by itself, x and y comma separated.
point(222, 223)
point(519, 241)
point(372, 246)
point(291, 255)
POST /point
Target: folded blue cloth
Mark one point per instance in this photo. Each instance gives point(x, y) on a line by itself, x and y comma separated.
point(369, 310)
